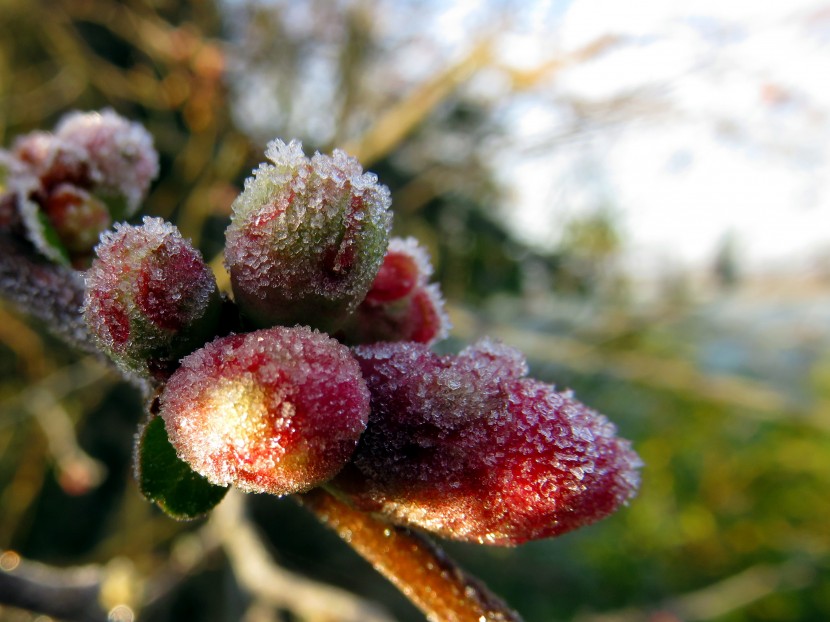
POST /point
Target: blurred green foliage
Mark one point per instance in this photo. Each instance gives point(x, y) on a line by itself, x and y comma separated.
point(731, 522)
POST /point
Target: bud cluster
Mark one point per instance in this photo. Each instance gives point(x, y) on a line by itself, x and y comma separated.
point(464, 446)
point(67, 187)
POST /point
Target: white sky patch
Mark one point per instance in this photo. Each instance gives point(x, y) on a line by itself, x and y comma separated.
point(741, 150)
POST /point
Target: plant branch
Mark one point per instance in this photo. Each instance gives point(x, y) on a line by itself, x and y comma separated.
point(51, 293)
point(263, 579)
point(67, 593)
point(416, 566)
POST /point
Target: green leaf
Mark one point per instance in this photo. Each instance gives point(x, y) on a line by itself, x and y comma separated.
point(169, 481)
point(50, 238)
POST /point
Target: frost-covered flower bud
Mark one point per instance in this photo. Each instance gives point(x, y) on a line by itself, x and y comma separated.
point(400, 305)
point(120, 154)
point(278, 410)
point(78, 217)
point(405, 266)
point(468, 448)
point(54, 161)
point(69, 186)
point(150, 297)
point(306, 239)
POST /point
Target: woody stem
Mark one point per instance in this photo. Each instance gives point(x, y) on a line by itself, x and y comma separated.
point(416, 566)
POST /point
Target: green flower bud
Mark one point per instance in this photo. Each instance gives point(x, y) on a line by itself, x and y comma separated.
point(306, 239)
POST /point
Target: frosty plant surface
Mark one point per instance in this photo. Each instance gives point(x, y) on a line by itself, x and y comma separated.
point(315, 377)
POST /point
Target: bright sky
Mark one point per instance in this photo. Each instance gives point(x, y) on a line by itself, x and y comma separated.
point(721, 124)
point(735, 138)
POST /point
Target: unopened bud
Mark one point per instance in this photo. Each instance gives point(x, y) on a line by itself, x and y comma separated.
point(468, 448)
point(400, 305)
point(150, 297)
point(306, 239)
point(278, 410)
point(121, 158)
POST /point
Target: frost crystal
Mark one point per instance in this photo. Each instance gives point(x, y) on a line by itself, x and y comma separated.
point(150, 298)
point(400, 305)
point(278, 410)
point(466, 447)
point(307, 237)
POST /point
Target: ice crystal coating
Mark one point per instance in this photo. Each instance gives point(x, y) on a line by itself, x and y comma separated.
point(278, 410)
point(400, 306)
point(468, 448)
point(120, 154)
point(307, 237)
point(69, 186)
point(150, 298)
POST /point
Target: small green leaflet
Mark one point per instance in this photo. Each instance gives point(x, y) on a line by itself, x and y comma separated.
point(169, 481)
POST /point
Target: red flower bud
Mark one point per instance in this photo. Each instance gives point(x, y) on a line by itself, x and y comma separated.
point(400, 306)
point(278, 410)
point(150, 298)
point(466, 447)
point(77, 216)
point(405, 266)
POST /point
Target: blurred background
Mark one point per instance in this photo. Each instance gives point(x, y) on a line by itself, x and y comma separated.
point(635, 194)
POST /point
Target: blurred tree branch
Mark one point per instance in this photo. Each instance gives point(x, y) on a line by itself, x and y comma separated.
point(70, 594)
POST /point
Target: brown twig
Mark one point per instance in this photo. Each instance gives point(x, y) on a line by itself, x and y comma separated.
point(416, 566)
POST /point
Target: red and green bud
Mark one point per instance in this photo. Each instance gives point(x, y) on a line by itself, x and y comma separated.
point(400, 305)
point(405, 266)
point(150, 297)
point(306, 239)
point(69, 186)
point(119, 154)
point(78, 217)
point(278, 410)
point(468, 448)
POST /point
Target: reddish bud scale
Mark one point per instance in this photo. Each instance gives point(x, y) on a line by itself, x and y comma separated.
point(78, 216)
point(150, 298)
point(278, 410)
point(467, 448)
point(397, 277)
point(400, 306)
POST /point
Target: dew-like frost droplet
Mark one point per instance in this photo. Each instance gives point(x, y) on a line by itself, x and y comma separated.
point(277, 410)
